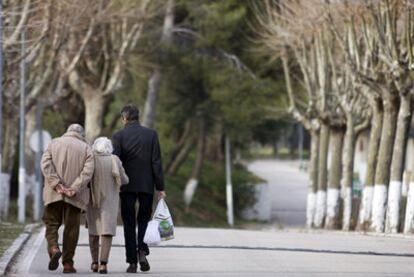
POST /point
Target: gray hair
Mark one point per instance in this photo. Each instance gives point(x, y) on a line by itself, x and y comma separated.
point(102, 145)
point(77, 128)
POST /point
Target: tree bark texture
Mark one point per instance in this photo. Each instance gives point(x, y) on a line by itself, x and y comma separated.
point(382, 175)
point(373, 148)
point(181, 156)
point(348, 171)
point(334, 181)
point(94, 113)
point(193, 181)
point(180, 144)
point(154, 82)
point(397, 164)
point(11, 138)
point(409, 212)
point(322, 176)
point(313, 178)
point(29, 153)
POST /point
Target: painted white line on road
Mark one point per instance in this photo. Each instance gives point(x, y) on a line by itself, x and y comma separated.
point(33, 252)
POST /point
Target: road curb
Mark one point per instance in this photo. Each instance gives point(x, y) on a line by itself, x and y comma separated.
point(340, 232)
point(16, 246)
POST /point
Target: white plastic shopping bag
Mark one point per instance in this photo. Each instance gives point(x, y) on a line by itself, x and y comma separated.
point(152, 234)
point(163, 216)
point(161, 226)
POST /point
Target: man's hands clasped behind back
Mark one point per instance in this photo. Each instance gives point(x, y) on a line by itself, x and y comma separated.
point(65, 191)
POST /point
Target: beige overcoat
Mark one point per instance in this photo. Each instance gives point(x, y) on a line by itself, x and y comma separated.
point(102, 216)
point(68, 160)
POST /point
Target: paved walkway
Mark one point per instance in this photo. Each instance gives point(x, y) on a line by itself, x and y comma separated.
point(288, 190)
point(217, 252)
point(226, 252)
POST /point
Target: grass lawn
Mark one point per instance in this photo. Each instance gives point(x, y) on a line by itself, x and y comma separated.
point(8, 233)
point(208, 208)
point(10, 229)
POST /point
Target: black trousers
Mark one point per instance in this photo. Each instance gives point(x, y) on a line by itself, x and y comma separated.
point(131, 218)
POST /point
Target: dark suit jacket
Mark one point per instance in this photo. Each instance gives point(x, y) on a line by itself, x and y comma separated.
point(139, 150)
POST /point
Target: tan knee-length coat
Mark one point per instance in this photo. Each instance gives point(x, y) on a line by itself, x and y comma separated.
point(102, 211)
point(68, 160)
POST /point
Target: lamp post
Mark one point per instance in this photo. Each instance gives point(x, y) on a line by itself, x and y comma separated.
point(22, 166)
point(39, 178)
point(229, 186)
point(2, 185)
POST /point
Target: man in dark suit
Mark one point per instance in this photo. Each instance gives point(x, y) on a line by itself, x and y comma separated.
point(139, 150)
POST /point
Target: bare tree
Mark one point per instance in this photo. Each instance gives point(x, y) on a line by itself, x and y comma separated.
point(94, 58)
point(286, 36)
point(366, 42)
point(34, 19)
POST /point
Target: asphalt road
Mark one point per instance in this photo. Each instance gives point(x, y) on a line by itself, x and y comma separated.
point(218, 252)
point(228, 252)
point(288, 190)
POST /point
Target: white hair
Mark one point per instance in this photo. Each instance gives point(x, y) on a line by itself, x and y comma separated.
point(102, 145)
point(77, 128)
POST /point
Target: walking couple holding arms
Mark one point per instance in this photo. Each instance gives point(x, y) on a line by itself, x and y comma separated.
point(81, 178)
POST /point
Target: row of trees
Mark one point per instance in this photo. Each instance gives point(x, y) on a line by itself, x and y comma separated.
point(180, 60)
point(70, 47)
point(348, 68)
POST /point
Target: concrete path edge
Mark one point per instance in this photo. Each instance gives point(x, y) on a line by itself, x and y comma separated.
point(17, 245)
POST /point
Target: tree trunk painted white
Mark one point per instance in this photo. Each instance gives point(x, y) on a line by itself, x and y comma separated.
point(189, 191)
point(374, 144)
point(347, 204)
point(397, 165)
point(320, 208)
point(383, 169)
point(366, 206)
point(313, 179)
point(332, 210)
point(4, 196)
point(378, 207)
point(322, 176)
point(393, 207)
point(409, 214)
point(310, 207)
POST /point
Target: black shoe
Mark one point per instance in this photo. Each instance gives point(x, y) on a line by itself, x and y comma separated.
point(103, 269)
point(143, 262)
point(54, 259)
point(94, 267)
point(132, 268)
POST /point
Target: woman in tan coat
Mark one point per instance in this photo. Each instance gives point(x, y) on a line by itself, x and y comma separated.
point(102, 211)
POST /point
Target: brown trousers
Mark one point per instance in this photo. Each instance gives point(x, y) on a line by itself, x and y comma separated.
point(106, 243)
point(56, 214)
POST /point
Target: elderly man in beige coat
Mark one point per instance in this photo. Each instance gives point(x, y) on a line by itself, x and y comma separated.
point(68, 166)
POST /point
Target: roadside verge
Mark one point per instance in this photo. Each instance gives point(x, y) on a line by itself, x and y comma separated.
point(17, 245)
